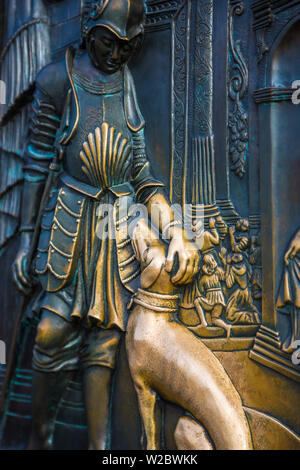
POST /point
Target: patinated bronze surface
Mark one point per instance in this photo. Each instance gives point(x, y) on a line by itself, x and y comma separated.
point(149, 208)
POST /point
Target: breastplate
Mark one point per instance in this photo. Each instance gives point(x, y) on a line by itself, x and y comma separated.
point(100, 152)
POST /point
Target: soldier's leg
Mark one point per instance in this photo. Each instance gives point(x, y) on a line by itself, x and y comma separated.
point(97, 386)
point(98, 357)
point(54, 360)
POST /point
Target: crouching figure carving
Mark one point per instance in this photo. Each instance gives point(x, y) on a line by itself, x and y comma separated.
point(166, 360)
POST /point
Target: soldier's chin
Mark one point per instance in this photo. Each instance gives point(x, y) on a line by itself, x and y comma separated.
point(111, 68)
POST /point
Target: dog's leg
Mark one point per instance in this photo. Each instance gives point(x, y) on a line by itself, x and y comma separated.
point(191, 435)
point(150, 252)
point(149, 412)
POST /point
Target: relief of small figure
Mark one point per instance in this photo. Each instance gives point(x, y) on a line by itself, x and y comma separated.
point(239, 242)
point(288, 301)
point(240, 308)
point(208, 242)
point(210, 296)
point(255, 261)
point(222, 227)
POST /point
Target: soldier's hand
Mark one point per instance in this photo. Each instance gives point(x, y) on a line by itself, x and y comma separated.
point(20, 268)
point(188, 257)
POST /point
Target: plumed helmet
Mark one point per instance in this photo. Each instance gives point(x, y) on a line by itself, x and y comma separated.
point(125, 18)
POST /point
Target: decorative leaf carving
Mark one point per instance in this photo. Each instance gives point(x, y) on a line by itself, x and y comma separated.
point(238, 119)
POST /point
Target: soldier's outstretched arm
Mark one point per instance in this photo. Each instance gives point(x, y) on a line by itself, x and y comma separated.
point(149, 191)
point(164, 218)
point(38, 154)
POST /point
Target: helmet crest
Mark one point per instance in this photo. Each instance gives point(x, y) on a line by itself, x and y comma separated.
point(97, 9)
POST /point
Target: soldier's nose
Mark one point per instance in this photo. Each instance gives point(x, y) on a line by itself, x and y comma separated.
point(116, 52)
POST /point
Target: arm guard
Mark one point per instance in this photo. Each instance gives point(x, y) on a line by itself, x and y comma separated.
point(39, 153)
point(144, 183)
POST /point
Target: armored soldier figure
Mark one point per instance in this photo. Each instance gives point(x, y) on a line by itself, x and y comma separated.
point(87, 132)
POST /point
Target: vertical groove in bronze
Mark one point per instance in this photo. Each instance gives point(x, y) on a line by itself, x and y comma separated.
point(204, 190)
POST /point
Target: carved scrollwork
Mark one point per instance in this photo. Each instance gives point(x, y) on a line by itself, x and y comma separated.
point(238, 119)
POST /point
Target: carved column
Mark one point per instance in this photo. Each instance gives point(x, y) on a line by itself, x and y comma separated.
point(204, 183)
point(221, 32)
point(203, 158)
point(181, 35)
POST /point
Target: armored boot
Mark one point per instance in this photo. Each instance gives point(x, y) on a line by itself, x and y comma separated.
point(48, 388)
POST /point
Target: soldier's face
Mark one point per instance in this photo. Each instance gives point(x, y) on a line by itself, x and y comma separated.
point(107, 51)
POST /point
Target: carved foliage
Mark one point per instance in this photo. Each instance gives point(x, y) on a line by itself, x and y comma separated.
point(203, 68)
point(179, 102)
point(238, 120)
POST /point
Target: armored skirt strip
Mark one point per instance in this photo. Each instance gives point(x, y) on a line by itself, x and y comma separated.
point(81, 269)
